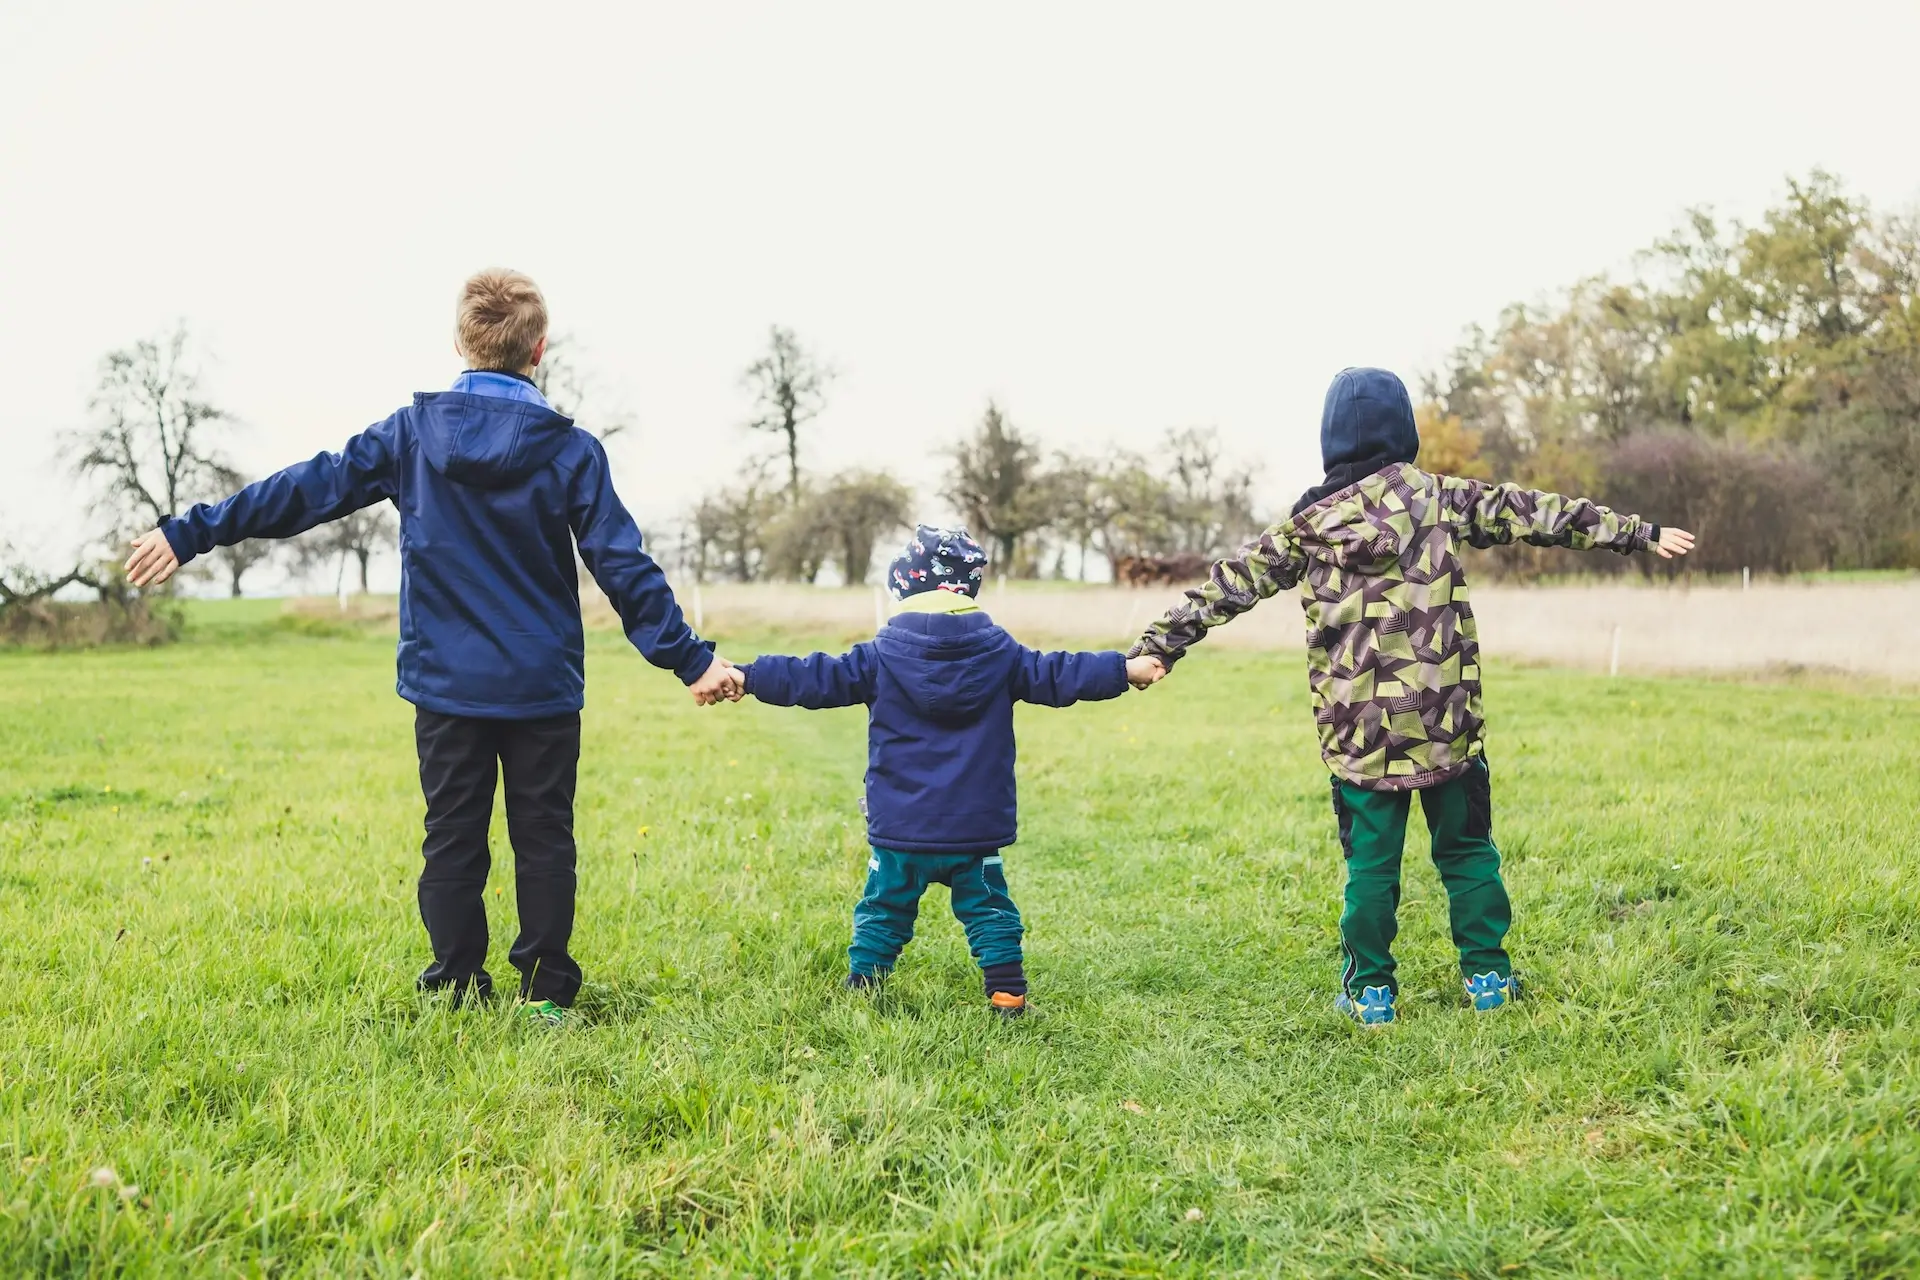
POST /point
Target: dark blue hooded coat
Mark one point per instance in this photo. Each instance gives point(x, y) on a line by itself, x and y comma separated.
point(493, 492)
point(940, 689)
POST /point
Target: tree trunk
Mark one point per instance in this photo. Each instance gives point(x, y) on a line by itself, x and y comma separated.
point(364, 557)
point(234, 575)
point(793, 461)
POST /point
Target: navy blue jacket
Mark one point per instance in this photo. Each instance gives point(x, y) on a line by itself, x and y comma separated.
point(940, 689)
point(493, 493)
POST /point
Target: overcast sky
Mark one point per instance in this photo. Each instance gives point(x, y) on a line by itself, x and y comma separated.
point(1112, 218)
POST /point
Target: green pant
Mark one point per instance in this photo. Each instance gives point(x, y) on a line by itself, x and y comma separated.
point(883, 922)
point(1373, 834)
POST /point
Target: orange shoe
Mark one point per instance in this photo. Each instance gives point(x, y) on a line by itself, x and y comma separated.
point(1007, 1004)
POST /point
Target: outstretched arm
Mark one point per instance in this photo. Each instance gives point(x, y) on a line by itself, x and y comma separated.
point(610, 546)
point(816, 681)
point(1498, 514)
point(286, 503)
point(1265, 567)
point(1060, 679)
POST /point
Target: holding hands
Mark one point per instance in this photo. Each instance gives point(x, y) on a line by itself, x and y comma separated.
point(722, 682)
point(1145, 671)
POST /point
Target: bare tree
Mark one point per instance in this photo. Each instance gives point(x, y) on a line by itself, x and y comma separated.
point(568, 388)
point(789, 388)
point(729, 528)
point(150, 447)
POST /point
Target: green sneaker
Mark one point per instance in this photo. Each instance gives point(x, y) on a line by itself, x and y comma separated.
point(544, 1012)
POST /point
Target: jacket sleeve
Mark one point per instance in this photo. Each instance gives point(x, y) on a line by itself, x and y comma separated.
point(293, 501)
point(1265, 567)
point(1061, 679)
point(610, 546)
point(1498, 514)
point(816, 681)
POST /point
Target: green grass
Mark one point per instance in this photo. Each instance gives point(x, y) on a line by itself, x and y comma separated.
point(1716, 901)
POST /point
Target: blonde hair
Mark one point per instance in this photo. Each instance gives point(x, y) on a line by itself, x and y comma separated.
point(500, 320)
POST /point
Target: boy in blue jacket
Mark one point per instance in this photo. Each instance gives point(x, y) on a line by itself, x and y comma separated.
point(494, 490)
point(940, 682)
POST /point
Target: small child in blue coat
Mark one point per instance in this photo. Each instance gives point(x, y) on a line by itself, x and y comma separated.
point(940, 682)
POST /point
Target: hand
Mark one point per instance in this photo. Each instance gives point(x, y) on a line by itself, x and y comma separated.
point(1145, 670)
point(721, 681)
point(1673, 542)
point(152, 561)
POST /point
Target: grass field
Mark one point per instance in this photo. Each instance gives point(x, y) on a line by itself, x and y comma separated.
point(207, 924)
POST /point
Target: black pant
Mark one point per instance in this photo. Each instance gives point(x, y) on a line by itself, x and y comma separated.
point(540, 760)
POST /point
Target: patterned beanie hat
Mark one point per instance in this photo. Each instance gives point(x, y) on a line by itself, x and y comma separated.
point(938, 560)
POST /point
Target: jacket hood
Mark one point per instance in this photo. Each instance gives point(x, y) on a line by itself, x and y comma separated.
point(948, 666)
point(1368, 419)
point(486, 441)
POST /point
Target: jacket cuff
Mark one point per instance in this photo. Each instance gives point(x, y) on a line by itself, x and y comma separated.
point(174, 530)
point(746, 678)
point(696, 666)
point(1653, 536)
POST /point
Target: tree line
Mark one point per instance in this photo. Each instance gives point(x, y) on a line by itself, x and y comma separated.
point(1039, 512)
point(1759, 384)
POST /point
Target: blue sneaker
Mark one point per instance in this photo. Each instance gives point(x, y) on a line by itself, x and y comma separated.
point(1490, 991)
point(1374, 1008)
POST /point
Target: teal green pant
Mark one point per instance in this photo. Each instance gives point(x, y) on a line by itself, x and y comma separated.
point(883, 922)
point(1373, 834)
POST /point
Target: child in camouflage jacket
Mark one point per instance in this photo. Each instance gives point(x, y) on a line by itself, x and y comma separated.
point(1393, 664)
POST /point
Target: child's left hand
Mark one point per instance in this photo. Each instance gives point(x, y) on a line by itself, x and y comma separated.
point(1145, 670)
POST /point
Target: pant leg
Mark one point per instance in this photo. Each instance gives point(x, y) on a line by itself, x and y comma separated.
point(1373, 835)
point(540, 760)
point(457, 778)
point(883, 920)
point(1460, 815)
point(986, 911)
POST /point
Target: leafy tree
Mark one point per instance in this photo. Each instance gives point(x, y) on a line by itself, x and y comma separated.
point(1796, 337)
point(997, 482)
point(789, 389)
point(856, 508)
point(729, 528)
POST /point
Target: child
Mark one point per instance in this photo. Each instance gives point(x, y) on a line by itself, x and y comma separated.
point(940, 682)
point(493, 489)
point(1393, 664)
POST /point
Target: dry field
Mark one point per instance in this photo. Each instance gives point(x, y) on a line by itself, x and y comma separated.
point(1836, 628)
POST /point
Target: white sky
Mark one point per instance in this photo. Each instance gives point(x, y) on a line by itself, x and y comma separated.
point(1114, 218)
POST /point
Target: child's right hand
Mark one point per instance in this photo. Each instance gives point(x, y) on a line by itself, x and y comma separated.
point(152, 561)
point(1673, 542)
point(1145, 670)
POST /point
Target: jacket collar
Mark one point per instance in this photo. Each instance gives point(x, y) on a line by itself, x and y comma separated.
point(938, 601)
point(500, 384)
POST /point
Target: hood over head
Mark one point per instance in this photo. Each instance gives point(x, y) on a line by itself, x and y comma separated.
point(487, 441)
point(1366, 424)
point(949, 666)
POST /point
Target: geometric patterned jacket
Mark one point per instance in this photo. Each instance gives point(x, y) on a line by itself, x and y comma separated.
point(1393, 659)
